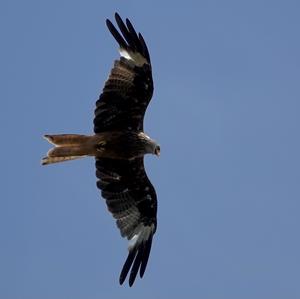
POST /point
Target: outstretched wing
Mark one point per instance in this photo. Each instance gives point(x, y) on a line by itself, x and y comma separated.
point(129, 88)
point(131, 199)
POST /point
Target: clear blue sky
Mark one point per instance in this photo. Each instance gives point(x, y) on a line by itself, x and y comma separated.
point(226, 113)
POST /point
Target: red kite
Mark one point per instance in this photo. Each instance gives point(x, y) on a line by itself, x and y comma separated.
point(119, 145)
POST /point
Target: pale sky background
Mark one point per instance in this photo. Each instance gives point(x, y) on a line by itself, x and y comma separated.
point(226, 111)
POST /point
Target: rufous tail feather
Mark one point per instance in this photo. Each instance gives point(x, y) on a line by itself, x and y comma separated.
point(67, 147)
point(67, 139)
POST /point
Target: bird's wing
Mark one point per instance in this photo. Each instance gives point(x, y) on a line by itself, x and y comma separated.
point(129, 88)
point(131, 199)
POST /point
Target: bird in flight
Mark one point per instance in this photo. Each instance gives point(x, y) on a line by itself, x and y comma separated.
point(119, 145)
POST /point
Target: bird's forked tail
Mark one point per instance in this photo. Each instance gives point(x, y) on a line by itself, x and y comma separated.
point(66, 147)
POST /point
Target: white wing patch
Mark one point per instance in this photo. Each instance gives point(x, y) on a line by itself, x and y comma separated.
point(135, 57)
point(142, 233)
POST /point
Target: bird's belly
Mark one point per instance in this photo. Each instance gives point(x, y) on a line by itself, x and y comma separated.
point(117, 146)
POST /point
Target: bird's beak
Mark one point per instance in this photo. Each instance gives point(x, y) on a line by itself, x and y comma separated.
point(157, 152)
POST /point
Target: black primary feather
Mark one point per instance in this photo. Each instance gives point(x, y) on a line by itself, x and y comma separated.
point(144, 261)
point(125, 32)
point(145, 49)
point(127, 265)
point(134, 37)
point(136, 265)
point(116, 34)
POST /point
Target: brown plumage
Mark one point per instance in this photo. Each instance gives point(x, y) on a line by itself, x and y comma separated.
point(119, 145)
point(103, 145)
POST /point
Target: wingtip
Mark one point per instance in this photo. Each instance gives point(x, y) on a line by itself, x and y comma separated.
point(145, 257)
point(136, 265)
point(121, 280)
point(117, 16)
point(127, 265)
point(127, 21)
point(131, 283)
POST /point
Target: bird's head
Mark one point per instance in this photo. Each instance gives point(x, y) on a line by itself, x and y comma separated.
point(150, 145)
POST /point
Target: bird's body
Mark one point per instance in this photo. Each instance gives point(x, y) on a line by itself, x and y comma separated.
point(119, 145)
point(114, 145)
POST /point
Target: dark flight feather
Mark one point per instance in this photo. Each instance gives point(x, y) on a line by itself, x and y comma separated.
point(145, 49)
point(127, 265)
point(125, 33)
point(134, 37)
point(116, 34)
point(146, 255)
point(136, 265)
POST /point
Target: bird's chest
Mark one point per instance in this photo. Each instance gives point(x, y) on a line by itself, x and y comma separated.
point(120, 146)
